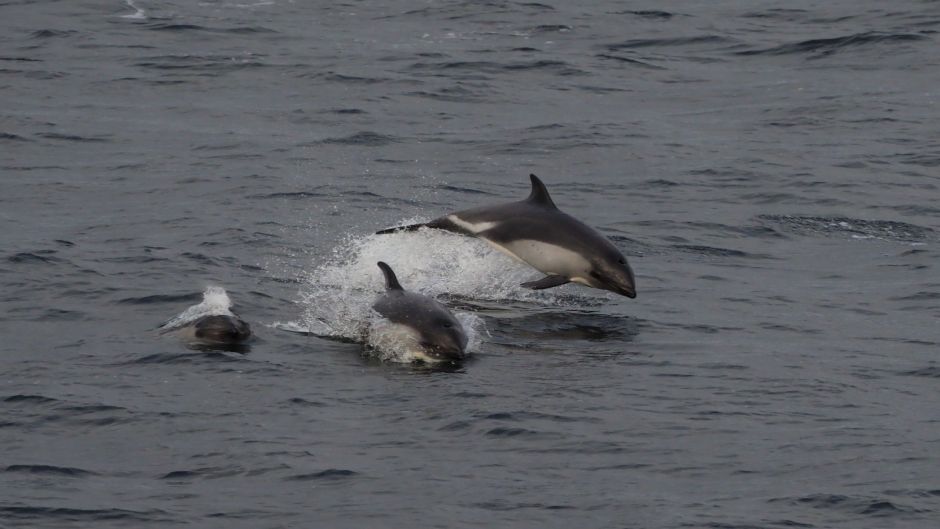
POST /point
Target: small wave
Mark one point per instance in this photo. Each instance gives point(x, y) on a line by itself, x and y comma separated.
point(42, 256)
point(716, 252)
point(182, 27)
point(778, 13)
point(71, 137)
point(928, 372)
point(551, 28)
point(524, 415)
point(546, 326)
point(294, 195)
point(159, 298)
point(247, 30)
point(8, 136)
point(864, 506)
point(348, 111)
point(170, 26)
point(922, 159)
point(559, 67)
point(459, 93)
point(329, 474)
point(50, 470)
point(297, 401)
point(363, 139)
point(856, 228)
point(463, 190)
point(629, 60)
point(204, 472)
point(651, 14)
point(30, 399)
point(353, 79)
point(60, 515)
point(522, 433)
point(824, 47)
point(218, 64)
point(212, 354)
point(670, 42)
point(61, 315)
point(914, 493)
point(919, 296)
point(503, 505)
point(51, 33)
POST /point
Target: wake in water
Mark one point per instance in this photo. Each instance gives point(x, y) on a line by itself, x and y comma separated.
point(340, 291)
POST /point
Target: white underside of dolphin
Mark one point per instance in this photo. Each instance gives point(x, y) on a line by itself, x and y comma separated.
point(545, 257)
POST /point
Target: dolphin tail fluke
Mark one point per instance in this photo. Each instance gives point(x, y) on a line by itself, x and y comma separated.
point(396, 229)
point(546, 282)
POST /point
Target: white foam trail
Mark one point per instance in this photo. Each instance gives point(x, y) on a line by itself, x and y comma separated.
point(215, 302)
point(340, 291)
point(140, 14)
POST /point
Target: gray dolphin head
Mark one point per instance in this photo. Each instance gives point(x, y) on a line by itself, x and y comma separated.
point(611, 271)
point(438, 333)
point(221, 329)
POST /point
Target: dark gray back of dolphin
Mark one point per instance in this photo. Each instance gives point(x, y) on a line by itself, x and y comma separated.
point(221, 329)
point(441, 335)
point(569, 250)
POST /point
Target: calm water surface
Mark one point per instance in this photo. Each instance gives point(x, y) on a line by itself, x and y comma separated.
point(771, 171)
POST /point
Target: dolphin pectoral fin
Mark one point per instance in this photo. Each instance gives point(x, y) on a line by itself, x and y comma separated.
point(546, 282)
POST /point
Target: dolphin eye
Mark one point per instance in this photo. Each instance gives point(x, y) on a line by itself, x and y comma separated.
point(448, 324)
point(622, 261)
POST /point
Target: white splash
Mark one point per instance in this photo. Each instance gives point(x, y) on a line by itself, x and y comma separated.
point(139, 14)
point(340, 291)
point(215, 302)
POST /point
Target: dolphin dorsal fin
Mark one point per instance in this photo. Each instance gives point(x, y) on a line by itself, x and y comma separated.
point(539, 194)
point(391, 282)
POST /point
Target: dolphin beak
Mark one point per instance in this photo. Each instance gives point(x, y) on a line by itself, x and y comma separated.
point(454, 355)
point(628, 289)
point(444, 354)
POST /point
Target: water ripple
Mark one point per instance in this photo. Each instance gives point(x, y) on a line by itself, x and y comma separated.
point(819, 48)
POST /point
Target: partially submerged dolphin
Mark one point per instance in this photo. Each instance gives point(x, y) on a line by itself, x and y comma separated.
point(536, 232)
point(435, 333)
point(211, 322)
point(218, 329)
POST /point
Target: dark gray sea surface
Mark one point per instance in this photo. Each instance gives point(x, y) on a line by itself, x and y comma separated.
point(770, 169)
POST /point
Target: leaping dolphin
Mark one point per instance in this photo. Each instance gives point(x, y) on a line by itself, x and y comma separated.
point(536, 232)
point(436, 333)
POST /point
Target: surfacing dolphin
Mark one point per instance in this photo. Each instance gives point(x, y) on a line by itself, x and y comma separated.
point(211, 322)
point(220, 329)
point(437, 335)
point(536, 232)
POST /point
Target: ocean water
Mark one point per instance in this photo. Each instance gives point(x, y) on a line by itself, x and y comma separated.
point(770, 169)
